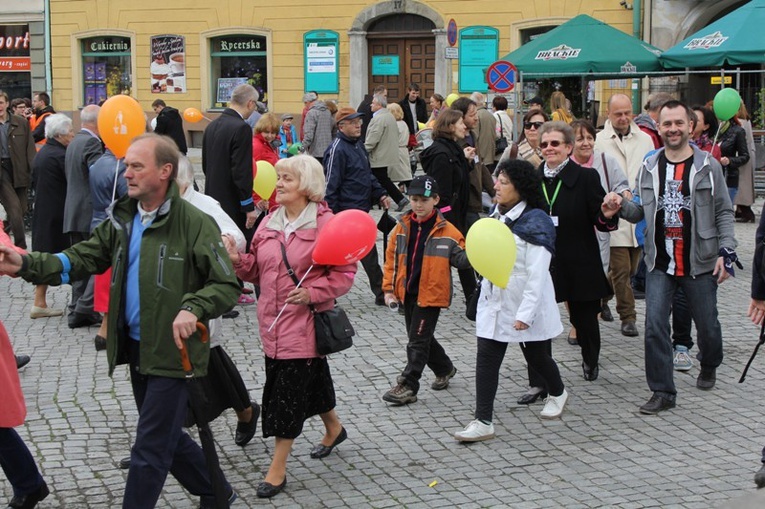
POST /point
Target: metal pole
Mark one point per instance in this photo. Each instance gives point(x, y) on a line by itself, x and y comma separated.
point(636, 8)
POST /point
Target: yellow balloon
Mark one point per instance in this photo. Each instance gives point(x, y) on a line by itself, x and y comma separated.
point(264, 181)
point(451, 98)
point(420, 126)
point(490, 247)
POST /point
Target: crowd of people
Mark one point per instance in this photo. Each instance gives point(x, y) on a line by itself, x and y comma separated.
point(586, 209)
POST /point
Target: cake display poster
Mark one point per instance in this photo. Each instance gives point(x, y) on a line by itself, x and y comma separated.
point(168, 64)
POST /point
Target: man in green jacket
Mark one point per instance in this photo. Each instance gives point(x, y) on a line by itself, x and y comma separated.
point(169, 271)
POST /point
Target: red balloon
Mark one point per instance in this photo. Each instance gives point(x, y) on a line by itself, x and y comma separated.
point(346, 238)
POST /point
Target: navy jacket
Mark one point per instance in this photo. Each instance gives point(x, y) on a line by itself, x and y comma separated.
point(350, 182)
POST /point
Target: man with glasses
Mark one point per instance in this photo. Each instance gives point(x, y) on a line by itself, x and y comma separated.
point(624, 140)
point(351, 184)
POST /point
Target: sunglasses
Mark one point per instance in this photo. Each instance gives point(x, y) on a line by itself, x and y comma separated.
point(532, 125)
point(551, 143)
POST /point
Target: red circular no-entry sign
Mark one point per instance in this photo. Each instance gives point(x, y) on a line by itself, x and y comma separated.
point(501, 76)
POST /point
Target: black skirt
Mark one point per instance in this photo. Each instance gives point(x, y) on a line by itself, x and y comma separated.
point(295, 390)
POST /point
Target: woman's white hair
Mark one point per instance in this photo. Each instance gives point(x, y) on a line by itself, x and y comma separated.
point(57, 125)
point(185, 172)
point(309, 172)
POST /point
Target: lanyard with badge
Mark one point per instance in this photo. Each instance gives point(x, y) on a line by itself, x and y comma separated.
point(550, 202)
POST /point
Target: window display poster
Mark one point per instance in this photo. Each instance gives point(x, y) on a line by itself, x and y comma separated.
point(168, 64)
point(226, 87)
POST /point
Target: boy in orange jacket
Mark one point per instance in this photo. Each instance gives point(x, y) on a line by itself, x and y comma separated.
point(417, 275)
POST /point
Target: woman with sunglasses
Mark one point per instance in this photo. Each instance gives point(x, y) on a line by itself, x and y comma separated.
point(527, 147)
point(573, 197)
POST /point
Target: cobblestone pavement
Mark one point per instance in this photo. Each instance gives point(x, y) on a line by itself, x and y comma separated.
point(602, 453)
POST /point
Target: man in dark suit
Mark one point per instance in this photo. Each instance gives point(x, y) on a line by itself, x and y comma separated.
point(83, 151)
point(227, 159)
point(415, 109)
point(170, 123)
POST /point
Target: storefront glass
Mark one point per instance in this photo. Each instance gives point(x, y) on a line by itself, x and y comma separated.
point(15, 63)
point(106, 68)
point(237, 59)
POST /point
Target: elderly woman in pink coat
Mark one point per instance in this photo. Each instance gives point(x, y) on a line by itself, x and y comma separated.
point(298, 382)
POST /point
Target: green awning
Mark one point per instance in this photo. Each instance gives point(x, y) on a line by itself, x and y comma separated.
point(731, 40)
point(585, 46)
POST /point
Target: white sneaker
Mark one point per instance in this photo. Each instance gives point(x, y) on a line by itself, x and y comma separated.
point(554, 406)
point(476, 431)
point(682, 360)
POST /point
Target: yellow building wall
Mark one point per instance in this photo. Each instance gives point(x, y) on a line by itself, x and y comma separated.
point(287, 21)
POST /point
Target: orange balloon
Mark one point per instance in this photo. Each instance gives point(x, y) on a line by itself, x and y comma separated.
point(120, 120)
point(192, 115)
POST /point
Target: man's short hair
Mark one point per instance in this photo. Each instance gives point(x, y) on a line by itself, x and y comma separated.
point(185, 175)
point(165, 151)
point(57, 125)
point(414, 86)
point(381, 100)
point(3, 94)
point(309, 172)
point(158, 102)
point(379, 89)
point(89, 114)
point(671, 105)
point(657, 100)
point(44, 97)
point(463, 104)
point(244, 93)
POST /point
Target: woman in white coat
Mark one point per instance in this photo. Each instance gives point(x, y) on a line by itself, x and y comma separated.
point(525, 312)
point(402, 172)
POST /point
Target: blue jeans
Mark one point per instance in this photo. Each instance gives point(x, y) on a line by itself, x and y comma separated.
point(18, 464)
point(701, 293)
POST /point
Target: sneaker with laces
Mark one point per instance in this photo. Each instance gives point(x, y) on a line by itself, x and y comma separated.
point(682, 361)
point(554, 406)
point(476, 431)
point(245, 300)
point(442, 382)
point(400, 395)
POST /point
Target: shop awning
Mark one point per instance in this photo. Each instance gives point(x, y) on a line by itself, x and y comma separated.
point(584, 46)
point(731, 40)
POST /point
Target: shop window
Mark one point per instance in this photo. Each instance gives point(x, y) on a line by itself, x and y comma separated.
point(15, 64)
point(237, 59)
point(105, 68)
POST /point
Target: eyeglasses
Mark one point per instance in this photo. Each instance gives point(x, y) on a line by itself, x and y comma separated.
point(532, 125)
point(551, 143)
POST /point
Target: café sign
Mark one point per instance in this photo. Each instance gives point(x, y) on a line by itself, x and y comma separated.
point(237, 43)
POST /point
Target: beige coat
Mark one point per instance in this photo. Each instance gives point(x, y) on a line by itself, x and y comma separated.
point(629, 151)
point(745, 194)
point(401, 172)
point(486, 145)
point(382, 140)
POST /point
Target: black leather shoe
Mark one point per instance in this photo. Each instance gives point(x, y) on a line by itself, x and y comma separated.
point(706, 379)
point(322, 451)
point(246, 430)
point(230, 314)
point(100, 342)
point(590, 373)
point(528, 399)
point(605, 314)
point(124, 463)
point(268, 490)
point(77, 320)
point(629, 329)
point(30, 500)
point(759, 478)
point(657, 404)
point(380, 300)
point(22, 360)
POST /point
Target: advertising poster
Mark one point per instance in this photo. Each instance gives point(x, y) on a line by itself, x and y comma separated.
point(168, 64)
point(226, 87)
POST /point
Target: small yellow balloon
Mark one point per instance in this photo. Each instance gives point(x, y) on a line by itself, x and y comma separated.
point(264, 181)
point(420, 126)
point(490, 247)
point(451, 98)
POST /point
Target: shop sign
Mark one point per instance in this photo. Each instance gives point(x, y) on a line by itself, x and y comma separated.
point(15, 64)
point(708, 41)
point(239, 43)
point(14, 40)
point(629, 68)
point(107, 45)
point(561, 52)
point(168, 64)
point(385, 65)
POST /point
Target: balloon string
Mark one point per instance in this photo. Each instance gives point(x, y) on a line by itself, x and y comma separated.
point(209, 120)
point(285, 304)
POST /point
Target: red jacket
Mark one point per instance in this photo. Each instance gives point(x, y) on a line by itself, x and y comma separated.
point(11, 398)
point(293, 336)
point(263, 151)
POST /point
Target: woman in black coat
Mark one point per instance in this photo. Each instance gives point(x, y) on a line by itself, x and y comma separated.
point(49, 184)
point(734, 152)
point(574, 197)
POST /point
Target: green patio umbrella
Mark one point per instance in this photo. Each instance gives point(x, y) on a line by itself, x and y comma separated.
point(731, 39)
point(582, 46)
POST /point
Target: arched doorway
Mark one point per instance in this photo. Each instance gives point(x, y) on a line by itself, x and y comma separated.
point(402, 50)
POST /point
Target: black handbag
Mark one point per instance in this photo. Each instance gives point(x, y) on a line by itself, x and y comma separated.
point(334, 332)
point(500, 143)
point(471, 308)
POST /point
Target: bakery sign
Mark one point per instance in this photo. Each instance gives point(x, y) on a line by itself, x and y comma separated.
point(708, 41)
point(168, 64)
point(14, 48)
point(561, 52)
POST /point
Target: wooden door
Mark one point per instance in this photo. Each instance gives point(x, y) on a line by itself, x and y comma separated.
point(417, 63)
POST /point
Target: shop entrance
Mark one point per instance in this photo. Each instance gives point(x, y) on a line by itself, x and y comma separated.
point(402, 50)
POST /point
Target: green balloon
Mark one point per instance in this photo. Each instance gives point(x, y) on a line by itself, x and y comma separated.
point(726, 103)
point(295, 148)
